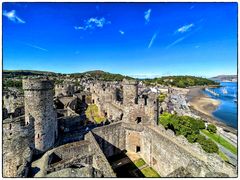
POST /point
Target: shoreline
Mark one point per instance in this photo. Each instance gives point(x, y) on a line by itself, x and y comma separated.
point(204, 106)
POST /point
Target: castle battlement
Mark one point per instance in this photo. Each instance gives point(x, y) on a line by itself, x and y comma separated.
point(37, 84)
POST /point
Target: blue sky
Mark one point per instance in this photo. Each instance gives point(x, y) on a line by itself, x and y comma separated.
point(137, 39)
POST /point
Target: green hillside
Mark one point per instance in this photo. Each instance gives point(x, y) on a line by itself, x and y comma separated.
point(180, 81)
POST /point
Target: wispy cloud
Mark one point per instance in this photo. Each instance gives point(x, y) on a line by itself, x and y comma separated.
point(197, 46)
point(11, 15)
point(152, 40)
point(93, 23)
point(176, 42)
point(36, 47)
point(191, 7)
point(147, 15)
point(121, 32)
point(185, 28)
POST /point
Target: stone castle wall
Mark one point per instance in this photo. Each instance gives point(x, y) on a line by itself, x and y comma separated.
point(17, 140)
point(99, 159)
point(161, 149)
point(166, 152)
point(111, 138)
point(64, 89)
point(134, 104)
point(13, 101)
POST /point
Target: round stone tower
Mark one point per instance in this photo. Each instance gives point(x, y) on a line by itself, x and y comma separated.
point(130, 92)
point(39, 107)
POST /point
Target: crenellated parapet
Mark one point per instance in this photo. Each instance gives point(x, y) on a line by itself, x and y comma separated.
point(37, 84)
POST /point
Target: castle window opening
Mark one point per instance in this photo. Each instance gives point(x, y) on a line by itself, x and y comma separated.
point(136, 100)
point(145, 97)
point(93, 101)
point(138, 149)
point(38, 136)
point(10, 126)
point(139, 119)
point(121, 116)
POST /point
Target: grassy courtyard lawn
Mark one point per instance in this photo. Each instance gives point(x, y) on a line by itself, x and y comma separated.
point(219, 139)
point(93, 113)
point(149, 172)
point(140, 162)
point(223, 156)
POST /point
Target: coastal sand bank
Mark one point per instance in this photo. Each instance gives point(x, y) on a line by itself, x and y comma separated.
point(203, 106)
point(202, 102)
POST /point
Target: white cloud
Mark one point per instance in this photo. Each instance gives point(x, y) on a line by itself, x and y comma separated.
point(185, 28)
point(93, 23)
point(121, 32)
point(152, 40)
point(36, 47)
point(147, 15)
point(11, 15)
point(176, 42)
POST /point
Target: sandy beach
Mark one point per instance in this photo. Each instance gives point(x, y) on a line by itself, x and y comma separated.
point(202, 102)
point(203, 106)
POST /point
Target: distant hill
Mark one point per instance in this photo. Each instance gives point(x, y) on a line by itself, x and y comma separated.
point(96, 74)
point(180, 81)
point(100, 75)
point(19, 73)
point(232, 78)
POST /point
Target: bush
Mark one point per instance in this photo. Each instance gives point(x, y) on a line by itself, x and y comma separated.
point(161, 97)
point(209, 146)
point(192, 138)
point(211, 128)
point(200, 138)
point(189, 128)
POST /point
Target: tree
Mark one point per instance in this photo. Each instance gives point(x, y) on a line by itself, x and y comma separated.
point(211, 128)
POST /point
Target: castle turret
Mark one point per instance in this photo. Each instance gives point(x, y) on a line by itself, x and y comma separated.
point(39, 107)
point(130, 92)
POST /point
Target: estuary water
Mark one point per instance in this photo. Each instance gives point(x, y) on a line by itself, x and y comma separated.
point(227, 110)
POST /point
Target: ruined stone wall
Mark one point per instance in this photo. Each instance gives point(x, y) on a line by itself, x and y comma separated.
point(63, 157)
point(165, 152)
point(111, 138)
point(39, 107)
point(11, 101)
point(64, 89)
point(132, 107)
point(17, 140)
point(130, 92)
point(71, 123)
point(99, 160)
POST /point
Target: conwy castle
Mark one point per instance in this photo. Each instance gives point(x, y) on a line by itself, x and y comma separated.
point(47, 133)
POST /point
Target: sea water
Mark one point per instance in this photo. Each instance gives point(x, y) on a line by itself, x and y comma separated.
point(227, 110)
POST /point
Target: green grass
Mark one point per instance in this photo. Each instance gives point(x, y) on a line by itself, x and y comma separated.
point(223, 156)
point(149, 172)
point(219, 139)
point(140, 162)
point(93, 113)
